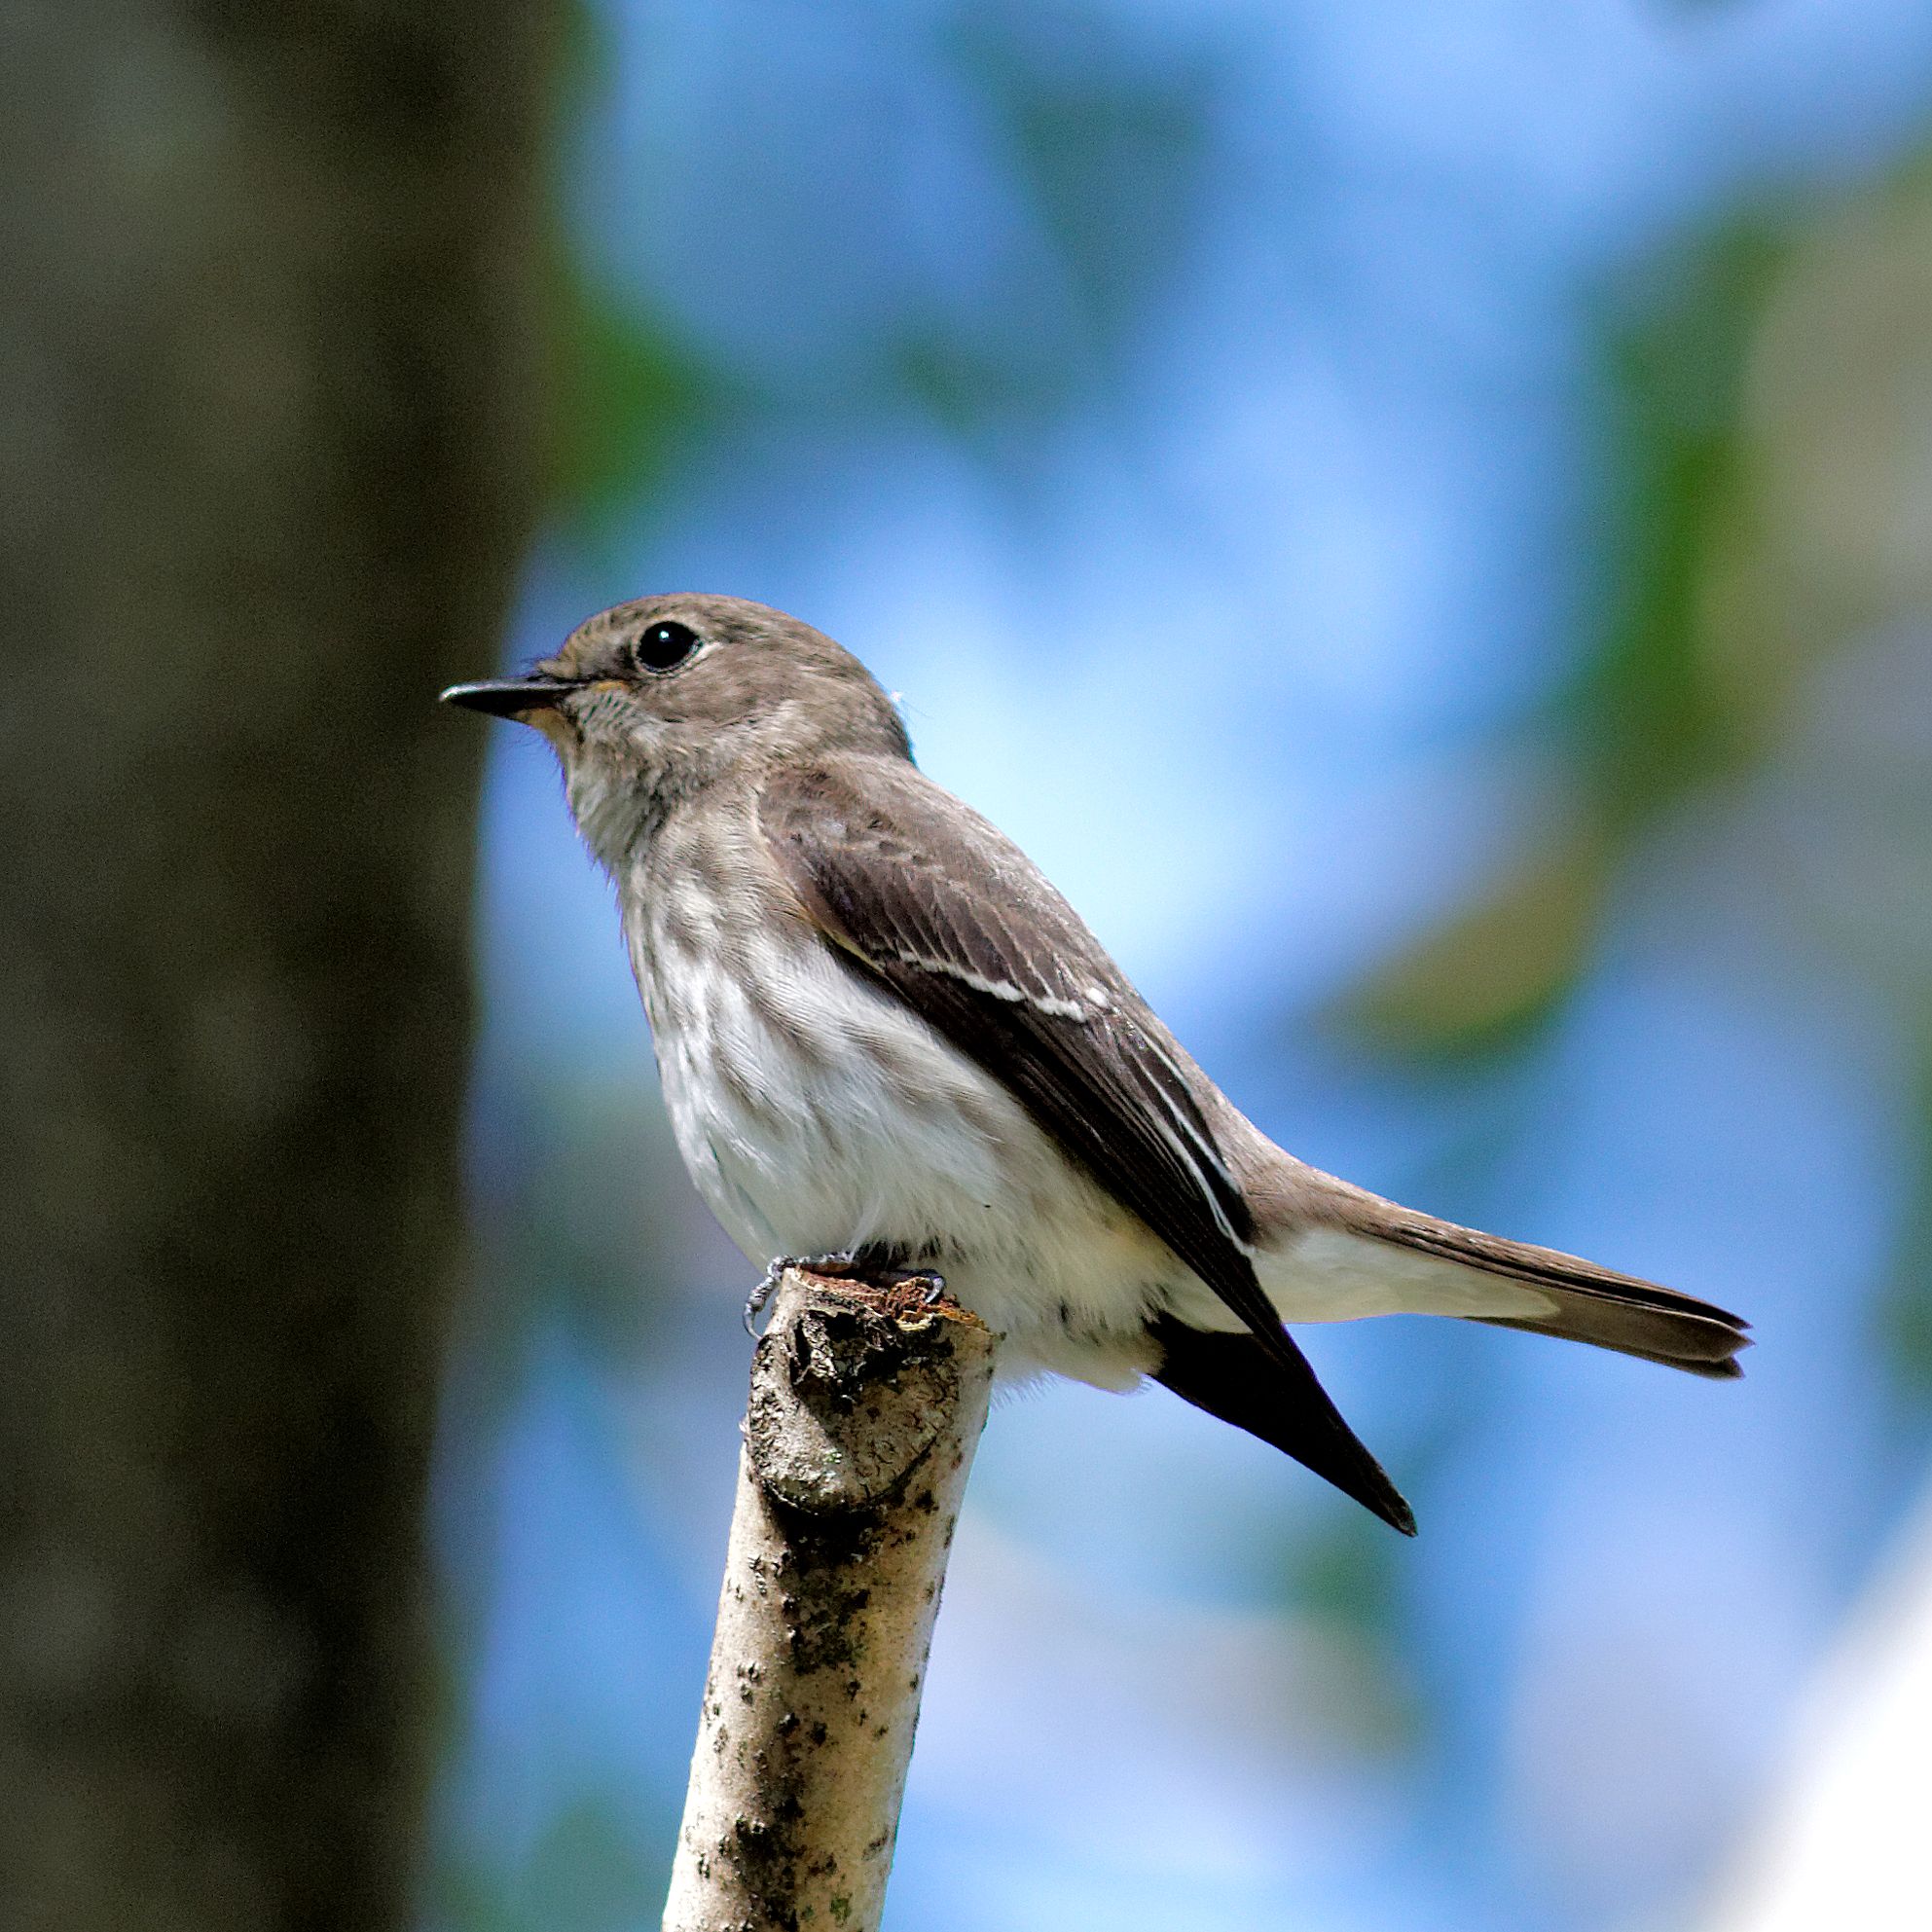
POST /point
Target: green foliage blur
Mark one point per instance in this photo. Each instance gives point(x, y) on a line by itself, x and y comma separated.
point(1764, 511)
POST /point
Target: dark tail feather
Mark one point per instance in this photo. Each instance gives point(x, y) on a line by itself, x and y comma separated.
point(1656, 1338)
point(1277, 1398)
point(1586, 1302)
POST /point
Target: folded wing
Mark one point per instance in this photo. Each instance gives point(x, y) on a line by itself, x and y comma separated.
point(922, 897)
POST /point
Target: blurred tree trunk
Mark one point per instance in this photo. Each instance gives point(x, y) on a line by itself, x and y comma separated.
point(265, 465)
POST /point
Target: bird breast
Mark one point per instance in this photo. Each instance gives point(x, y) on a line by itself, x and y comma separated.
point(818, 1113)
point(814, 1111)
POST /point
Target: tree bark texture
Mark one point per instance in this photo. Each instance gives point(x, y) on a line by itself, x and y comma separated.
point(863, 1423)
point(267, 384)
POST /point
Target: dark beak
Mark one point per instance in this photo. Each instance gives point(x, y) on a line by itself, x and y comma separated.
point(510, 697)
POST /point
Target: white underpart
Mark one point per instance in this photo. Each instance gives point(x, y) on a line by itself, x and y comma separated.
point(879, 1131)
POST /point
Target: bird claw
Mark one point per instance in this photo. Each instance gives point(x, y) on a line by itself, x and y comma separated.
point(931, 1285)
point(754, 1302)
point(906, 1292)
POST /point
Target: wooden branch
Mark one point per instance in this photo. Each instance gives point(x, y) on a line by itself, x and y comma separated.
point(866, 1410)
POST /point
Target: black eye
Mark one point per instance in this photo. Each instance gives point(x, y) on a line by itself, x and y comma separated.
point(665, 646)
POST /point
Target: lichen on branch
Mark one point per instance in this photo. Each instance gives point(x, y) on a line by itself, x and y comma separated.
point(863, 1416)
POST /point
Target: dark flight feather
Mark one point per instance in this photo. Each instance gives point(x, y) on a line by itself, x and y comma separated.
point(1232, 1377)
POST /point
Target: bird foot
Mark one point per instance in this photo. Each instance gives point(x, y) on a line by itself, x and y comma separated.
point(842, 1267)
point(898, 1292)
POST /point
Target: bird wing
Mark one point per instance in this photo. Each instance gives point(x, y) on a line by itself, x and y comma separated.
point(921, 896)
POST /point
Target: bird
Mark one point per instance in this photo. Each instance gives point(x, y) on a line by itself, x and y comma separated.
point(887, 1042)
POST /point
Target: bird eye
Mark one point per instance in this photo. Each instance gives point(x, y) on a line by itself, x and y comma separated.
point(665, 646)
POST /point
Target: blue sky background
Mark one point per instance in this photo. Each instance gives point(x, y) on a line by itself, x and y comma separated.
point(1208, 419)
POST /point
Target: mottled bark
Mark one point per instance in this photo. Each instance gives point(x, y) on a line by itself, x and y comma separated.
point(266, 383)
point(860, 1434)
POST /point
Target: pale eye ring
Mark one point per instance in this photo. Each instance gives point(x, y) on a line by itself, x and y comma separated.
point(662, 647)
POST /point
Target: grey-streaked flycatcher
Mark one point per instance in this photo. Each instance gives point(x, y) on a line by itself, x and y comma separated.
point(883, 1034)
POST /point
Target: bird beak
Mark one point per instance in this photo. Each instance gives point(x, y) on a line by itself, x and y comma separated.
point(510, 697)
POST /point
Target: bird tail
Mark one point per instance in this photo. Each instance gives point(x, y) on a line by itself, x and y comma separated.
point(1359, 1255)
point(1583, 1303)
point(1512, 1285)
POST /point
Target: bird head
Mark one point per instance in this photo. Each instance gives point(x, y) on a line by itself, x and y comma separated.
point(651, 701)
